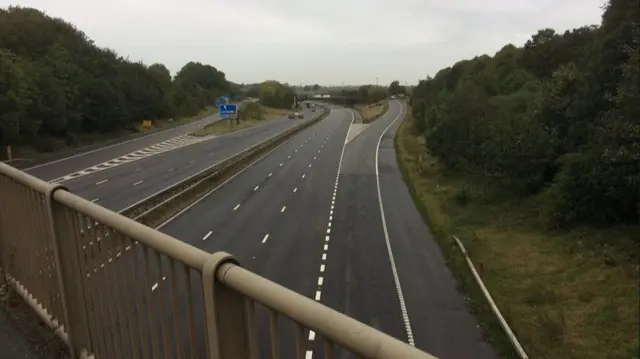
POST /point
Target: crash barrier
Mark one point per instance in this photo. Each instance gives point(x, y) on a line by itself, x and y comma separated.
point(111, 287)
point(156, 208)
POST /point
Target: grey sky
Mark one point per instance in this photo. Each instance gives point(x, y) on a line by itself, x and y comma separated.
point(325, 42)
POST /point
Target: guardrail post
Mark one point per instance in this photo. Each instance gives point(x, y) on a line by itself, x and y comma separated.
point(54, 230)
point(225, 313)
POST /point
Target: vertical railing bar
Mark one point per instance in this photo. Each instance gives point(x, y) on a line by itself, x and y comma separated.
point(122, 319)
point(190, 315)
point(250, 322)
point(140, 298)
point(163, 319)
point(96, 295)
point(150, 313)
point(300, 340)
point(328, 348)
point(31, 276)
point(108, 301)
point(124, 274)
point(88, 333)
point(48, 280)
point(174, 301)
point(276, 352)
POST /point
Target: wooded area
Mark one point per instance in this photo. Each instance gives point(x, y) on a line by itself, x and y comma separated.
point(558, 119)
point(57, 85)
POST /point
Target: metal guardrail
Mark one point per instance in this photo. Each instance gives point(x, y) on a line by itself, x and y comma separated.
point(89, 273)
point(146, 210)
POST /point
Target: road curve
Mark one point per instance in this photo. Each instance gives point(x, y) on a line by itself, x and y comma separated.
point(118, 187)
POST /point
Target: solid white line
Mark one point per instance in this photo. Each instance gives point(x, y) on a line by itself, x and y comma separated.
point(394, 270)
point(283, 208)
point(207, 236)
point(236, 207)
point(137, 183)
point(101, 182)
point(266, 236)
point(95, 200)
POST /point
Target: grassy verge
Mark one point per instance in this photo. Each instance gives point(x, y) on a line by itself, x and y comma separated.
point(564, 296)
point(371, 112)
point(57, 148)
point(224, 126)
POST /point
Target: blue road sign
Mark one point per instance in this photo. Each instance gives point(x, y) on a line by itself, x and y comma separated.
point(229, 111)
point(221, 101)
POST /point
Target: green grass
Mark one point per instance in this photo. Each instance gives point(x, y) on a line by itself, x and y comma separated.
point(562, 293)
point(225, 126)
point(371, 112)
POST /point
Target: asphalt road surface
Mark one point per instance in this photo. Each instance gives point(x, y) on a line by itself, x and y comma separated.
point(117, 187)
point(334, 222)
point(63, 166)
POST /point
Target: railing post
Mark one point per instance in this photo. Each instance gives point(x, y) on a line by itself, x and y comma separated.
point(225, 313)
point(54, 229)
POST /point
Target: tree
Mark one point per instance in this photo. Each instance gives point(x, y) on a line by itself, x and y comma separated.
point(396, 89)
point(557, 119)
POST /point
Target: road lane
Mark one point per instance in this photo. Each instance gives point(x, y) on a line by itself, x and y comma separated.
point(278, 229)
point(358, 281)
point(439, 317)
point(60, 167)
point(120, 186)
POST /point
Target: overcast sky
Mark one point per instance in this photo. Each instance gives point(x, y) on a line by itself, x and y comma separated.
point(323, 41)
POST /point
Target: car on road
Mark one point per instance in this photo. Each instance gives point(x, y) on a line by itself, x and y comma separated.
point(295, 115)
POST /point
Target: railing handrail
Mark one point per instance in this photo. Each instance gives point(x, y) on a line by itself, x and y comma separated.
point(54, 201)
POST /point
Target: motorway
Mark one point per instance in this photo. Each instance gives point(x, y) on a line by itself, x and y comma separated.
point(335, 222)
point(119, 186)
point(66, 165)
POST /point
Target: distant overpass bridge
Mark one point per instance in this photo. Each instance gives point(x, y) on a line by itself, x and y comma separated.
point(327, 97)
point(86, 271)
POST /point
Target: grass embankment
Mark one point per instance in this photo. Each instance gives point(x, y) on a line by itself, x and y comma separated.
point(58, 147)
point(371, 112)
point(564, 295)
point(265, 115)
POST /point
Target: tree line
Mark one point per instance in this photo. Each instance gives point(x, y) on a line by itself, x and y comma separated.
point(56, 84)
point(558, 119)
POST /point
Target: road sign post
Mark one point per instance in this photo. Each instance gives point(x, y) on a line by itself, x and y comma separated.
point(229, 111)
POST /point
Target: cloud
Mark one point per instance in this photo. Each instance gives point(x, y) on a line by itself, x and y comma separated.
point(322, 41)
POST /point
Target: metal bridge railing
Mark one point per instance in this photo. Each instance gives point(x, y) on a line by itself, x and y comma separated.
point(113, 288)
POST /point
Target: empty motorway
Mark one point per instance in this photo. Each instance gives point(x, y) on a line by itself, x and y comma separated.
point(119, 186)
point(334, 222)
point(326, 217)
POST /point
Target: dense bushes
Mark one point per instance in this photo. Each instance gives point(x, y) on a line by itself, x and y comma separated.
point(55, 83)
point(558, 119)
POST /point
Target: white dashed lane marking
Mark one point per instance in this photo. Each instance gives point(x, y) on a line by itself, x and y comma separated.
point(172, 144)
point(325, 247)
